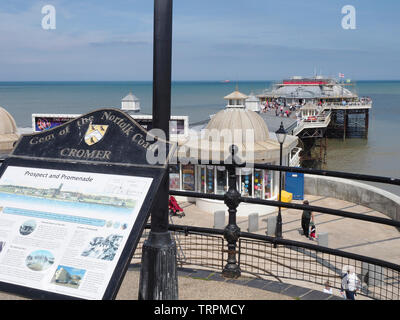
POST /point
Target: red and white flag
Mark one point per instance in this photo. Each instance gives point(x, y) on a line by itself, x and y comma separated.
point(341, 75)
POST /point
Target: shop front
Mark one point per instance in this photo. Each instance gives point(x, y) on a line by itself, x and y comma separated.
point(253, 183)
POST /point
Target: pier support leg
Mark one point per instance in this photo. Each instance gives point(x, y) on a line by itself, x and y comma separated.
point(366, 123)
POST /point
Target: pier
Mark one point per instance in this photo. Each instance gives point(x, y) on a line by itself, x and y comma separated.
point(348, 121)
point(316, 124)
point(312, 134)
point(325, 108)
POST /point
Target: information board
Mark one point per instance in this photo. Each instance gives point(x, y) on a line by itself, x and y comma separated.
point(73, 205)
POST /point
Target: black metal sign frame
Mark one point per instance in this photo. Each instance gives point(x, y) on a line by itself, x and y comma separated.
point(35, 159)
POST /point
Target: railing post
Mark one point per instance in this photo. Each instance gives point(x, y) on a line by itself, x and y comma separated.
point(232, 231)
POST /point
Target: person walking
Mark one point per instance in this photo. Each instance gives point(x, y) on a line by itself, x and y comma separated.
point(350, 284)
point(306, 217)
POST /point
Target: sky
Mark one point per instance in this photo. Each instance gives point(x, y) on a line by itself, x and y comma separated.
point(104, 40)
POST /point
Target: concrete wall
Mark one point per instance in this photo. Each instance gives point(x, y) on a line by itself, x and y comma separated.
point(354, 191)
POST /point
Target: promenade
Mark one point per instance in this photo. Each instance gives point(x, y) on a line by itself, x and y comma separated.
point(360, 237)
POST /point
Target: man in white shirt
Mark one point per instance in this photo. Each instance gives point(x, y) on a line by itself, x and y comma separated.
point(350, 284)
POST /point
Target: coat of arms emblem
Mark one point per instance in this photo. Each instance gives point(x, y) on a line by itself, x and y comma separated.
point(95, 133)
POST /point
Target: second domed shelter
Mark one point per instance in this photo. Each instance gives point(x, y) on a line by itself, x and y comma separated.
point(248, 131)
point(8, 131)
point(130, 103)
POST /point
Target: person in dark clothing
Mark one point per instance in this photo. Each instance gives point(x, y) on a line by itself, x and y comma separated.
point(306, 217)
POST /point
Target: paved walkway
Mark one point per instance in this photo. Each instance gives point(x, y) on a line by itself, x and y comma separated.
point(206, 285)
point(197, 284)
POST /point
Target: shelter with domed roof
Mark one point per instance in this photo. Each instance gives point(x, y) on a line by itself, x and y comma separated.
point(8, 131)
point(130, 103)
point(248, 131)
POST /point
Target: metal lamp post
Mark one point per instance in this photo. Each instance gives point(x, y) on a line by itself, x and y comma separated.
point(281, 136)
point(158, 275)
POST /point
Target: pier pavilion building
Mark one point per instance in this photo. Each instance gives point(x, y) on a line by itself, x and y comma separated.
point(256, 144)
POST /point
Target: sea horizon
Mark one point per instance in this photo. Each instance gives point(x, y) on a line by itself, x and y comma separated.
point(199, 99)
point(173, 81)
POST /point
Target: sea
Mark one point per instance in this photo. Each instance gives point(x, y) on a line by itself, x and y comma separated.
point(377, 155)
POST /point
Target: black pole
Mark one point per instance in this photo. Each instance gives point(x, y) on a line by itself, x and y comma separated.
point(162, 62)
point(158, 275)
point(278, 231)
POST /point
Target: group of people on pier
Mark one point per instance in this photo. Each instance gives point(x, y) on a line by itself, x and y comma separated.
point(281, 108)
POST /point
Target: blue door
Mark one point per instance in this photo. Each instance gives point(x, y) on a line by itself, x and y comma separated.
point(294, 183)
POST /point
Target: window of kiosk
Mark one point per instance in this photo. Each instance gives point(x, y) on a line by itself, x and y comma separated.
point(258, 184)
point(268, 184)
point(188, 177)
point(201, 186)
point(246, 182)
point(222, 180)
point(210, 179)
point(174, 177)
point(275, 178)
point(238, 175)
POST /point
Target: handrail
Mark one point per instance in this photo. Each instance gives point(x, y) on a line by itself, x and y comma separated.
point(266, 256)
point(274, 203)
point(281, 241)
point(326, 173)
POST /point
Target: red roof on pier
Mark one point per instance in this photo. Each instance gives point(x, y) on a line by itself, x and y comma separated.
point(308, 82)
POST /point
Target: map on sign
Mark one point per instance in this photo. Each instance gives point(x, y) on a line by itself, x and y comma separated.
point(64, 231)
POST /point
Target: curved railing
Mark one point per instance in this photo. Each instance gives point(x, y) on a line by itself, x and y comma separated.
point(276, 259)
point(234, 252)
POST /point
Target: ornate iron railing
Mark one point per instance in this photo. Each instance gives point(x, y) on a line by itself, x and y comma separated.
point(284, 259)
point(277, 259)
